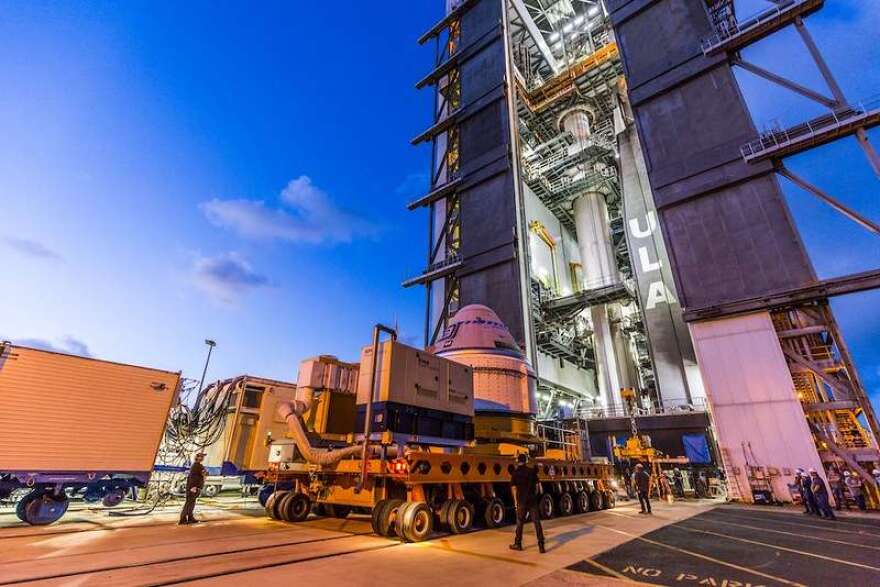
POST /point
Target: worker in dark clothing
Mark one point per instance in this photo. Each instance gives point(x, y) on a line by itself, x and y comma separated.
point(524, 484)
point(807, 492)
point(642, 485)
point(194, 483)
point(835, 480)
point(678, 481)
point(820, 494)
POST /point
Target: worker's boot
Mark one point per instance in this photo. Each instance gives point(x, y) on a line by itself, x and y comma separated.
point(515, 546)
point(541, 548)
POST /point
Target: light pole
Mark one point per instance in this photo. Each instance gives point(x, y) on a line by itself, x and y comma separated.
point(211, 344)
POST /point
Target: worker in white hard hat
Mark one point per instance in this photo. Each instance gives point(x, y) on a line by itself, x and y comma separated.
point(820, 494)
point(194, 483)
point(855, 487)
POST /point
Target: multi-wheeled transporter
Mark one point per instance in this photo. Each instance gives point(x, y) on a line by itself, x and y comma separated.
point(425, 438)
point(75, 425)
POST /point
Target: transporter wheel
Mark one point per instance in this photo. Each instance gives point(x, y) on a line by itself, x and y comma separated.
point(273, 502)
point(211, 490)
point(295, 507)
point(459, 516)
point(546, 507)
point(319, 510)
point(264, 493)
point(45, 509)
point(494, 513)
point(113, 497)
point(385, 517)
point(566, 504)
point(21, 505)
point(607, 500)
point(417, 520)
point(336, 511)
point(595, 501)
point(582, 502)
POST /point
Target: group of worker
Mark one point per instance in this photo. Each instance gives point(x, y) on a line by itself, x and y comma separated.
point(815, 495)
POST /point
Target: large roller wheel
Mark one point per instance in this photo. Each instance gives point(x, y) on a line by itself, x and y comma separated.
point(385, 516)
point(546, 507)
point(264, 493)
point(607, 500)
point(45, 509)
point(566, 504)
point(582, 502)
point(416, 520)
point(113, 497)
point(459, 516)
point(334, 510)
point(272, 504)
point(295, 507)
point(20, 507)
point(494, 513)
point(595, 501)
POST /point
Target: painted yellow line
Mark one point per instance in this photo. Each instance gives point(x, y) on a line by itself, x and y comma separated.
point(813, 526)
point(704, 557)
point(614, 573)
point(856, 544)
point(777, 547)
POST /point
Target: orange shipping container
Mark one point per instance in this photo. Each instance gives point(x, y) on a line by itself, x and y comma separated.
point(63, 413)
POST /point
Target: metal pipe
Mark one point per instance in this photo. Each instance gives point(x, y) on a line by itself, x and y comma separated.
point(288, 411)
point(368, 416)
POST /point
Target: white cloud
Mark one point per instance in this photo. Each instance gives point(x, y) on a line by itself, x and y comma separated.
point(305, 214)
point(227, 277)
point(67, 344)
point(29, 248)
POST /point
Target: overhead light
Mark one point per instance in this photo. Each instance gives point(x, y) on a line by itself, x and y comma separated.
point(579, 19)
point(558, 46)
point(567, 28)
point(593, 11)
point(553, 36)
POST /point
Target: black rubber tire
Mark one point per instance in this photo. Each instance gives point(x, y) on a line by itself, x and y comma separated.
point(494, 513)
point(582, 502)
point(296, 507)
point(417, 520)
point(565, 504)
point(607, 500)
point(334, 510)
point(45, 509)
point(264, 493)
point(595, 501)
point(272, 504)
point(319, 510)
point(113, 498)
point(383, 520)
point(546, 507)
point(20, 507)
point(459, 516)
point(280, 507)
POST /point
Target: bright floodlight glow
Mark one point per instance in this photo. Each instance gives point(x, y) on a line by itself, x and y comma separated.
point(553, 36)
point(593, 11)
point(558, 46)
point(567, 28)
point(579, 19)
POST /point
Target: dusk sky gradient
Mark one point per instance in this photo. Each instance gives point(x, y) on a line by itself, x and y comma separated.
point(171, 172)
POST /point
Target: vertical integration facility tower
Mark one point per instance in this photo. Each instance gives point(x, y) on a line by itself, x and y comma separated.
point(598, 182)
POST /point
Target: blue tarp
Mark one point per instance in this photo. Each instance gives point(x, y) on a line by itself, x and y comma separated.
point(696, 448)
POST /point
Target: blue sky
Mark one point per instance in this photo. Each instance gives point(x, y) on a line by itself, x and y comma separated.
point(176, 171)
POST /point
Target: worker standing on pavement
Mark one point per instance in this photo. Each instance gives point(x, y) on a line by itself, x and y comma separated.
point(854, 486)
point(194, 483)
point(820, 494)
point(642, 486)
point(835, 480)
point(678, 480)
point(806, 492)
point(524, 484)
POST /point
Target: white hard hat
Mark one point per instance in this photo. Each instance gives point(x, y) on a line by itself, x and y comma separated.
point(846, 473)
point(875, 472)
point(799, 471)
point(812, 471)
